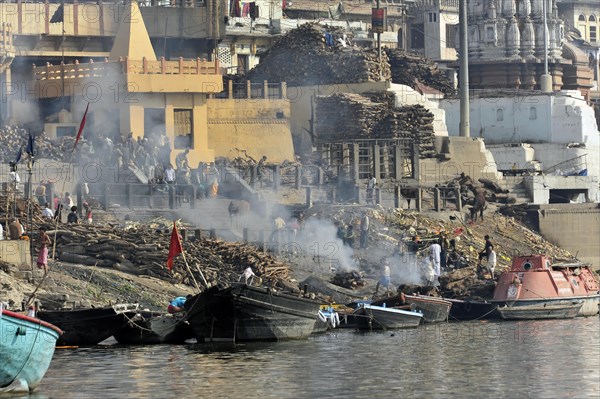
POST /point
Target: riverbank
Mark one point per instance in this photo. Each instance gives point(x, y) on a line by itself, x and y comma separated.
point(315, 251)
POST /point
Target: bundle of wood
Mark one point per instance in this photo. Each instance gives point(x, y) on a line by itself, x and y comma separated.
point(374, 116)
point(313, 54)
point(410, 68)
point(350, 280)
point(347, 116)
point(141, 250)
point(15, 140)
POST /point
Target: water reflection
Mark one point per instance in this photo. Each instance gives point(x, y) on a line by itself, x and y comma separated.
point(495, 359)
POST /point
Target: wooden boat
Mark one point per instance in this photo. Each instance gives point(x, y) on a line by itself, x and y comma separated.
point(88, 326)
point(245, 313)
point(26, 348)
point(154, 328)
point(540, 311)
point(371, 317)
point(534, 280)
point(472, 310)
point(434, 309)
point(328, 318)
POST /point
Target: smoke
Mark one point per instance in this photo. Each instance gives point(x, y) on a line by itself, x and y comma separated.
point(408, 269)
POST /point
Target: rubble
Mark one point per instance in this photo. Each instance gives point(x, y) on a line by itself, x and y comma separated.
point(15, 138)
point(304, 57)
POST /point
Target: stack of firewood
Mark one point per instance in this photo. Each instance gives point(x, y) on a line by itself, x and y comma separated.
point(141, 250)
point(352, 279)
point(303, 57)
point(348, 116)
point(410, 68)
point(14, 140)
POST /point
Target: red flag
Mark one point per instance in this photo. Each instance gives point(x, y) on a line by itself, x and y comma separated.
point(174, 248)
point(81, 126)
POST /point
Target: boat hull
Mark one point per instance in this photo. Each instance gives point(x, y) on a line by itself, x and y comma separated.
point(589, 303)
point(466, 310)
point(434, 309)
point(26, 349)
point(540, 311)
point(371, 317)
point(148, 328)
point(86, 326)
point(245, 313)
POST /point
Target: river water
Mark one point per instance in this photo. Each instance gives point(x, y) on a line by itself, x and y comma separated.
point(533, 359)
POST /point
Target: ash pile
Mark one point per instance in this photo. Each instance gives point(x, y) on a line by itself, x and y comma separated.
point(317, 54)
point(347, 116)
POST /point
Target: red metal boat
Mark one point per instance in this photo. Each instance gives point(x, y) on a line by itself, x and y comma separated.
point(534, 280)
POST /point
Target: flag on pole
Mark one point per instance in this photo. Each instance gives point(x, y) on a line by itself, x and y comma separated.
point(81, 126)
point(19, 154)
point(30, 141)
point(174, 247)
point(59, 15)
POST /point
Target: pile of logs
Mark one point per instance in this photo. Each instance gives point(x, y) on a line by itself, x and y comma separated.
point(350, 279)
point(14, 139)
point(348, 116)
point(140, 250)
point(302, 57)
point(411, 68)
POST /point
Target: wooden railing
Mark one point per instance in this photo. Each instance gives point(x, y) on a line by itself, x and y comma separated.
point(126, 66)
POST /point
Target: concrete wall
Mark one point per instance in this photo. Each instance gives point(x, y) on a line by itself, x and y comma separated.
point(539, 187)
point(575, 228)
point(258, 126)
point(560, 118)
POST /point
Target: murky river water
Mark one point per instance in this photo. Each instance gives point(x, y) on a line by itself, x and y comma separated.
point(541, 359)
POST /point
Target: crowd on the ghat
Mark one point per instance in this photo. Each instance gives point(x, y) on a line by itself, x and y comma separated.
point(151, 155)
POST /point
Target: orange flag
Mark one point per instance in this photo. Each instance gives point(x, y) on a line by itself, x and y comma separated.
point(175, 247)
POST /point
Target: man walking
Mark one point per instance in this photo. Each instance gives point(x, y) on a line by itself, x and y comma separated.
point(435, 251)
point(364, 231)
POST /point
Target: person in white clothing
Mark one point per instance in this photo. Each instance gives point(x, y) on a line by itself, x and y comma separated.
point(248, 273)
point(370, 188)
point(491, 264)
point(435, 251)
point(47, 212)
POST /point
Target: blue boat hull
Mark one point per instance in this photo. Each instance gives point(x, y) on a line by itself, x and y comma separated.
point(26, 349)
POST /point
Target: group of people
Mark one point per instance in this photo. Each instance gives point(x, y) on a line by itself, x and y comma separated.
point(348, 235)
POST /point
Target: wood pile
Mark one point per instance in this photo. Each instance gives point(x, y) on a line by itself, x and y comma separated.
point(14, 139)
point(348, 116)
point(411, 68)
point(302, 57)
point(141, 250)
point(352, 280)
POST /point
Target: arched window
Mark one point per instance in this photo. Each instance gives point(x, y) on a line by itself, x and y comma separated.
point(499, 115)
point(532, 113)
point(582, 18)
point(592, 18)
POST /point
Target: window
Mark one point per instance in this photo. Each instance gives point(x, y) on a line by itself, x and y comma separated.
point(432, 17)
point(499, 115)
point(592, 18)
point(532, 113)
point(417, 36)
point(582, 18)
point(184, 128)
point(451, 32)
point(593, 34)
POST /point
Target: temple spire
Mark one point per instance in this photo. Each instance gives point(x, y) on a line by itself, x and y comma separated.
point(132, 38)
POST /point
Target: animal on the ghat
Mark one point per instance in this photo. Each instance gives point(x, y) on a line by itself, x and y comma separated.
point(238, 208)
point(478, 205)
point(409, 194)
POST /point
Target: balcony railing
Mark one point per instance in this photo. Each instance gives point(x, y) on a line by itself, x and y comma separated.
point(126, 66)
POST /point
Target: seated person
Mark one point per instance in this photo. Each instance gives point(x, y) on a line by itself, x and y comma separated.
point(72, 217)
point(176, 305)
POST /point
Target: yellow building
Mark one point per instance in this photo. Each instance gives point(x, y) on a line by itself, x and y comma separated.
point(132, 91)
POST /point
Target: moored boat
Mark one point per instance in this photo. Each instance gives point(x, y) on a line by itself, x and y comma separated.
point(371, 317)
point(88, 326)
point(467, 309)
point(540, 311)
point(433, 309)
point(245, 313)
point(148, 327)
point(534, 281)
point(26, 349)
